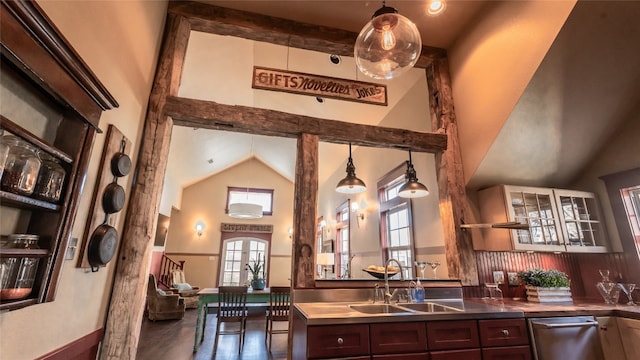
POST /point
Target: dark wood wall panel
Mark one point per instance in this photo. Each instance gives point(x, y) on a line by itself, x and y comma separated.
point(582, 269)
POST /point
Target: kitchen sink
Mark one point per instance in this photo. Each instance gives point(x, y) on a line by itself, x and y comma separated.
point(429, 307)
point(379, 309)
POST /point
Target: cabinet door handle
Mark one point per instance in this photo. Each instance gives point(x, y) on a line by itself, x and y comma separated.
point(340, 341)
point(505, 332)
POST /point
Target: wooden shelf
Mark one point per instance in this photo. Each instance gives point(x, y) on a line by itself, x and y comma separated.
point(20, 132)
point(14, 200)
point(14, 253)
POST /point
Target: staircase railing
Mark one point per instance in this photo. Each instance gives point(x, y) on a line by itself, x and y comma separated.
point(166, 267)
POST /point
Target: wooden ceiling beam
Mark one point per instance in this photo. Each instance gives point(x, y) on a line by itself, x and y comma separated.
point(212, 115)
point(224, 21)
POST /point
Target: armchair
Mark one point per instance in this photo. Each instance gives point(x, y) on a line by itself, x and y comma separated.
point(163, 304)
point(180, 286)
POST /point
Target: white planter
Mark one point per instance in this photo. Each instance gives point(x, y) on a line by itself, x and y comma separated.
point(548, 295)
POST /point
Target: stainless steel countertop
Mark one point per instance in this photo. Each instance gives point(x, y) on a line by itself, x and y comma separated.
point(333, 313)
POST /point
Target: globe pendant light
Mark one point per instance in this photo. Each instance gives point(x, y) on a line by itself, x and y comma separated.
point(350, 184)
point(388, 45)
point(412, 188)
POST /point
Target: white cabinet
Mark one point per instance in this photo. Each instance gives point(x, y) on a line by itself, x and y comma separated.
point(559, 220)
point(610, 338)
point(630, 335)
point(580, 219)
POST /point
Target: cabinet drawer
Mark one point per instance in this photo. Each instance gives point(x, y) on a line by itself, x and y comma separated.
point(338, 340)
point(509, 352)
point(398, 338)
point(467, 354)
point(503, 332)
point(416, 356)
point(443, 335)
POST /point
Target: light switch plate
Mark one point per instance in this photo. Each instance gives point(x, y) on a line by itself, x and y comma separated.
point(498, 277)
point(513, 279)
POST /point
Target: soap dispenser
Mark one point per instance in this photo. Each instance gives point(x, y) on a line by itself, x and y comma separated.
point(419, 292)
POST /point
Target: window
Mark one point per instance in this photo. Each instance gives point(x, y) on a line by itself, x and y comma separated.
point(262, 197)
point(396, 227)
point(236, 253)
point(342, 239)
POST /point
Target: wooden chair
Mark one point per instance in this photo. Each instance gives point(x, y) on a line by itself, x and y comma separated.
point(232, 307)
point(279, 303)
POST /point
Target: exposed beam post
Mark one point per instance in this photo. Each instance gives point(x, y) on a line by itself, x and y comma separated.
point(461, 259)
point(126, 308)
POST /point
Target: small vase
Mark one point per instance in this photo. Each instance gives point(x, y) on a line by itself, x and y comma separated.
point(258, 284)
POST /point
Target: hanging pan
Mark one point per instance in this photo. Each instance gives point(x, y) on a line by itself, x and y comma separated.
point(102, 246)
point(113, 198)
point(120, 164)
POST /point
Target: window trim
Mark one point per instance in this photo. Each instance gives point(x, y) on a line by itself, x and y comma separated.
point(389, 180)
point(250, 190)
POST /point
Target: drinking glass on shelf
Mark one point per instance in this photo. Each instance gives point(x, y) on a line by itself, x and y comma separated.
point(628, 289)
point(422, 266)
point(434, 266)
point(604, 273)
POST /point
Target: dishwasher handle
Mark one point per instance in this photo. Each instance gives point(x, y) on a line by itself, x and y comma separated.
point(564, 325)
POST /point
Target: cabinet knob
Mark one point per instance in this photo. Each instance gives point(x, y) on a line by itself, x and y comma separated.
point(505, 332)
point(340, 341)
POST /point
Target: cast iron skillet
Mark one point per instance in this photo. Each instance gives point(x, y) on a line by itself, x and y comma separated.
point(120, 164)
point(113, 198)
point(102, 246)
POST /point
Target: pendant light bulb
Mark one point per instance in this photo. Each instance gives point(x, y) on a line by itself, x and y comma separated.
point(351, 184)
point(388, 45)
point(412, 188)
point(388, 39)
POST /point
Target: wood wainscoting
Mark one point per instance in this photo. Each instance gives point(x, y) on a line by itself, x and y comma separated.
point(582, 269)
point(84, 348)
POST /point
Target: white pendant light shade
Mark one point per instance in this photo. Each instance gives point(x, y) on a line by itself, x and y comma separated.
point(388, 45)
point(245, 211)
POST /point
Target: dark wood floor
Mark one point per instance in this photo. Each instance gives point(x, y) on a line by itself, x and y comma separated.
point(173, 339)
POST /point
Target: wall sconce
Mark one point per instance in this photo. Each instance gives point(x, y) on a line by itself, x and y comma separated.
point(290, 232)
point(358, 211)
point(199, 228)
point(388, 45)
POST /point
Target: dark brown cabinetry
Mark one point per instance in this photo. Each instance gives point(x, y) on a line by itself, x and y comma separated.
point(52, 101)
point(408, 340)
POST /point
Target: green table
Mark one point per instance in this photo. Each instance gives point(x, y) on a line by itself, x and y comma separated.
point(210, 295)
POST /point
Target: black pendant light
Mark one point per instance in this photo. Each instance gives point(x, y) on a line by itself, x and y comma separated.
point(350, 184)
point(412, 188)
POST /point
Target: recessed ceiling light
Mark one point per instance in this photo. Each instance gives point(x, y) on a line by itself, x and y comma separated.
point(210, 161)
point(335, 59)
point(436, 7)
point(319, 99)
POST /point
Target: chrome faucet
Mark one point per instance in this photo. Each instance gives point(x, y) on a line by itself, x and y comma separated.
point(387, 295)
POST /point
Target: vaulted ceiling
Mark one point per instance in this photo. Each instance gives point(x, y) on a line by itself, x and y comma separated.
point(585, 87)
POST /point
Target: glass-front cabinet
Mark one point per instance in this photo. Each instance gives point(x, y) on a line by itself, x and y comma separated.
point(580, 219)
point(557, 220)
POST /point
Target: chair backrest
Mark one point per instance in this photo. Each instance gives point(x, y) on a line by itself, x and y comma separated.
point(279, 302)
point(152, 289)
point(177, 277)
point(232, 302)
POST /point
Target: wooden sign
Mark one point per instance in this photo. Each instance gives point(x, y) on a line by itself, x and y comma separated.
point(319, 86)
point(255, 228)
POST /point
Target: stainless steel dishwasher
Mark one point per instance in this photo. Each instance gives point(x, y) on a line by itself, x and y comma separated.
point(565, 338)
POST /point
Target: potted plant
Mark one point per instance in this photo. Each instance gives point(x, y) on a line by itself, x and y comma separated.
point(257, 269)
point(546, 285)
